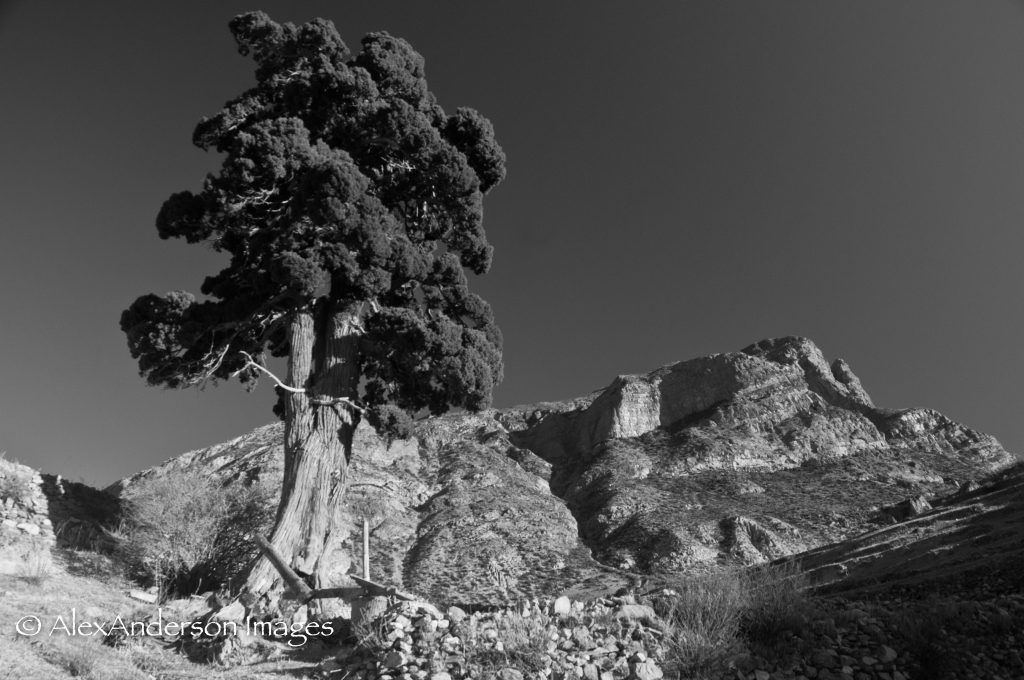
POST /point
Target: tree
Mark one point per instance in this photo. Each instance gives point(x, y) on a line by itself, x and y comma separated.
point(350, 205)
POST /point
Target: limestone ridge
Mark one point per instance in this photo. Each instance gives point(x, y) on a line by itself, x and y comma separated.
point(658, 467)
point(784, 375)
point(743, 456)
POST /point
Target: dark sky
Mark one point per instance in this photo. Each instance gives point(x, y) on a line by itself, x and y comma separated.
point(684, 178)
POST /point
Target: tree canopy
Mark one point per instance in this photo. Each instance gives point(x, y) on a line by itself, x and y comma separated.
point(344, 186)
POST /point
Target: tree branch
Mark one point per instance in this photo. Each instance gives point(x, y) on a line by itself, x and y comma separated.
point(249, 361)
point(331, 401)
point(302, 592)
point(319, 400)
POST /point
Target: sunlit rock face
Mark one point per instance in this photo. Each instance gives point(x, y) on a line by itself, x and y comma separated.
point(654, 464)
point(737, 457)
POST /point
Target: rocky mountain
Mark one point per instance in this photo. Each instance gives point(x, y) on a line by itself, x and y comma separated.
point(739, 457)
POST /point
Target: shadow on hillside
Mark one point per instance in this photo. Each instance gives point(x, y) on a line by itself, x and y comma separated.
point(80, 514)
point(970, 538)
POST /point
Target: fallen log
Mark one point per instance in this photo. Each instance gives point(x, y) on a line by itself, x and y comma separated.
point(301, 591)
point(299, 588)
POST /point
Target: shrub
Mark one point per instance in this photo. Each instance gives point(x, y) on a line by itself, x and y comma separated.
point(83, 536)
point(524, 640)
point(702, 615)
point(250, 509)
point(778, 609)
point(185, 531)
point(708, 617)
point(16, 481)
point(370, 634)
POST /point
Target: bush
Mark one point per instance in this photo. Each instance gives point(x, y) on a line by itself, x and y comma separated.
point(707, 618)
point(778, 604)
point(185, 531)
point(702, 616)
point(16, 481)
point(524, 642)
point(370, 634)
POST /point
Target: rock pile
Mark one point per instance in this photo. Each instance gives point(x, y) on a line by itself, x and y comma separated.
point(605, 639)
point(898, 639)
point(26, 531)
point(23, 505)
point(844, 644)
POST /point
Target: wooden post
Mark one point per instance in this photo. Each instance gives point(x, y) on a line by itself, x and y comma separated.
point(366, 549)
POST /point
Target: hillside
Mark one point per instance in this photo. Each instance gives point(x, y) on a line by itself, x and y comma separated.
point(740, 457)
point(893, 537)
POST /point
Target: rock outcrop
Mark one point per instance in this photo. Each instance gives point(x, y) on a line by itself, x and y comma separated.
point(653, 465)
point(745, 457)
point(26, 530)
point(40, 511)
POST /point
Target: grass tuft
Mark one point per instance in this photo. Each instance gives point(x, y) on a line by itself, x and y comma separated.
point(702, 614)
point(36, 565)
point(779, 609)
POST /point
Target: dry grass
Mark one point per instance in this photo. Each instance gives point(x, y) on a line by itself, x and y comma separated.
point(78, 535)
point(524, 641)
point(81, 659)
point(58, 656)
point(702, 615)
point(708, 617)
point(36, 565)
point(779, 608)
point(370, 634)
point(16, 482)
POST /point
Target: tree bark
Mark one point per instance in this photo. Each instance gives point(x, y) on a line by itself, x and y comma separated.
point(323, 359)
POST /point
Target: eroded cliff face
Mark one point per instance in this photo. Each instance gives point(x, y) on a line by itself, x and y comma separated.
point(745, 455)
point(742, 457)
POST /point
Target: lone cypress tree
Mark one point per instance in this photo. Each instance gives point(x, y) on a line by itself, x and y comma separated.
point(350, 205)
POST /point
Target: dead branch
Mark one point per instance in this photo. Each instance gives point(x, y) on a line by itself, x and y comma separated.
point(299, 587)
point(303, 593)
point(319, 400)
point(250, 362)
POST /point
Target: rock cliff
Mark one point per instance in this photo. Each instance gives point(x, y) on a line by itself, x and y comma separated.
point(744, 457)
point(656, 467)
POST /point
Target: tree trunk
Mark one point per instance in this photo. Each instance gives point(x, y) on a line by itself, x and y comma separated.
point(318, 444)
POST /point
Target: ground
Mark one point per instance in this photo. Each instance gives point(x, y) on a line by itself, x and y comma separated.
point(88, 585)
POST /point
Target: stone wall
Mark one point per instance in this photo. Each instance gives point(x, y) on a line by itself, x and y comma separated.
point(26, 530)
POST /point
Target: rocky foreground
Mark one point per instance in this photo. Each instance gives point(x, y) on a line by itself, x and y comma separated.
point(613, 639)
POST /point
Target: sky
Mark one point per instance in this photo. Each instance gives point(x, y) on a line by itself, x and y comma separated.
point(684, 178)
